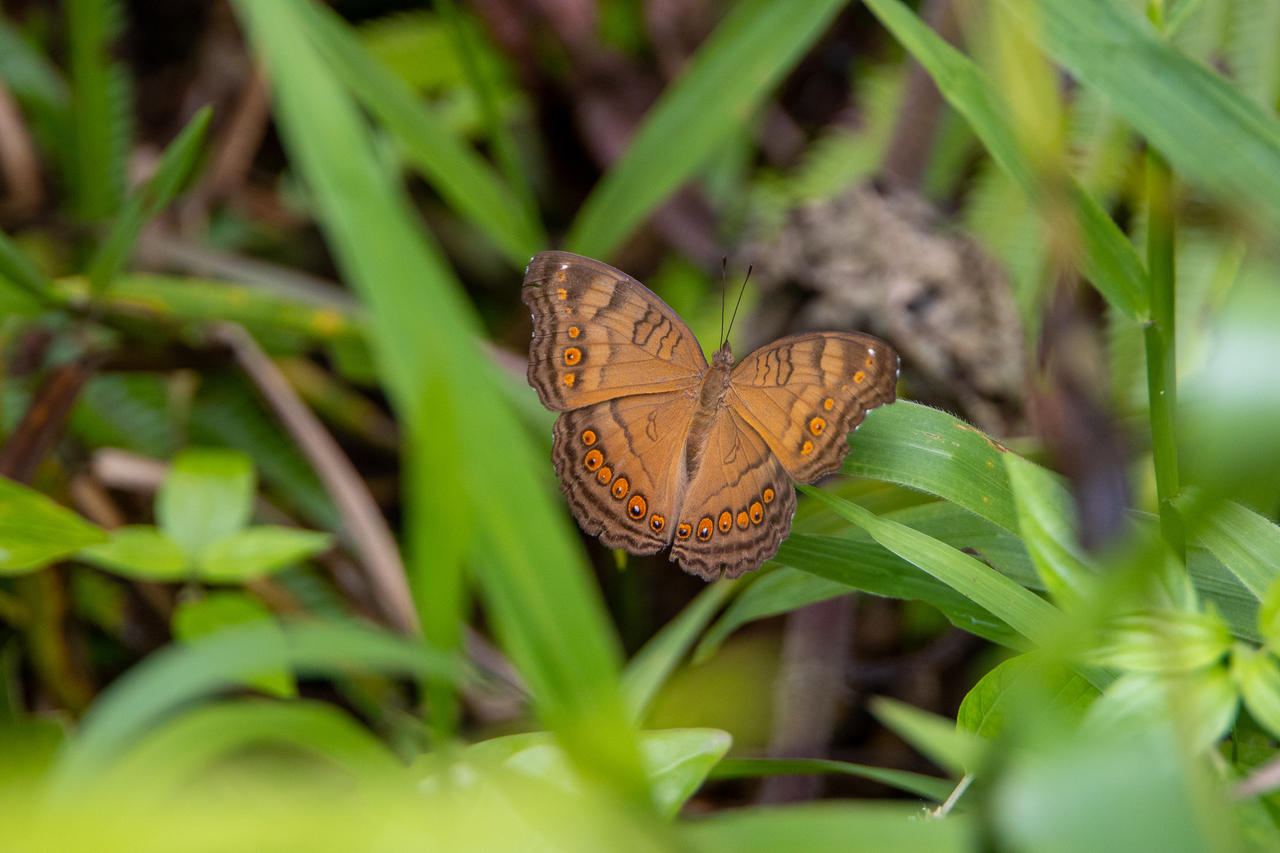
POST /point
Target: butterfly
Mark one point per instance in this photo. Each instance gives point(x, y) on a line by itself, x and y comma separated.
point(656, 448)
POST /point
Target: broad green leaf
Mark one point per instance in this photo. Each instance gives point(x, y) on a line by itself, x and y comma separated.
point(1182, 107)
point(676, 761)
point(200, 617)
point(546, 613)
point(732, 73)
point(1024, 611)
point(1245, 542)
point(1258, 675)
point(1202, 702)
point(207, 495)
point(1108, 260)
point(1013, 685)
point(835, 826)
point(176, 165)
point(929, 787)
point(461, 177)
point(1161, 642)
point(176, 676)
point(1045, 519)
point(173, 755)
point(957, 751)
point(257, 551)
point(658, 658)
point(35, 531)
point(141, 552)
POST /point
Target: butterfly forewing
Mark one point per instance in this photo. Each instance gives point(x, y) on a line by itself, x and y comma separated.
point(599, 334)
point(621, 463)
point(805, 393)
point(738, 505)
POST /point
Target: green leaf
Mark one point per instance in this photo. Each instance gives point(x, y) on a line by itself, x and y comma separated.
point(957, 751)
point(1013, 685)
point(545, 611)
point(1269, 615)
point(836, 827)
point(1108, 261)
point(141, 552)
point(1183, 108)
point(676, 761)
point(203, 616)
point(1202, 702)
point(176, 165)
point(658, 658)
point(929, 787)
point(1025, 612)
point(18, 270)
point(1245, 542)
point(258, 551)
point(720, 88)
point(207, 496)
point(35, 531)
point(176, 676)
point(1259, 678)
point(462, 178)
point(1165, 641)
point(100, 107)
point(1045, 519)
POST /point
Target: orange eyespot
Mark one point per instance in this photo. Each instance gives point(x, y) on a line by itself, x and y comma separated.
point(870, 361)
point(742, 519)
point(636, 507)
point(768, 495)
point(859, 377)
point(806, 448)
point(725, 522)
point(620, 487)
point(561, 293)
point(656, 523)
point(569, 379)
point(757, 512)
point(574, 331)
point(572, 356)
point(593, 460)
point(828, 403)
point(817, 425)
point(588, 437)
point(704, 529)
point(604, 475)
point(684, 530)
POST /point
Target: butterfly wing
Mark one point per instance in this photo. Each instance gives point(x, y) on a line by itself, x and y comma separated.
point(620, 463)
point(804, 394)
point(738, 505)
point(598, 334)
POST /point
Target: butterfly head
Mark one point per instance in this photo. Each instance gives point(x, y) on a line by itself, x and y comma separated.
point(722, 357)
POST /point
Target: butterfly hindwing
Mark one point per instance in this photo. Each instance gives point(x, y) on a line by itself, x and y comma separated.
point(805, 393)
point(599, 334)
point(738, 505)
point(620, 464)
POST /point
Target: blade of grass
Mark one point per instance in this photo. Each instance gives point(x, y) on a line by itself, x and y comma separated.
point(735, 69)
point(486, 501)
point(821, 827)
point(1107, 260)
point(175, 167)
point(462, 177)
point(1246, 543)
point(100, 107)
point(929, 787)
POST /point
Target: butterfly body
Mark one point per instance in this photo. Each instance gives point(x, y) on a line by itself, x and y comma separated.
point(656, 448)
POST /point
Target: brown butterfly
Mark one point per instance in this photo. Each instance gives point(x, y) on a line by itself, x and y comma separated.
point(657, 448)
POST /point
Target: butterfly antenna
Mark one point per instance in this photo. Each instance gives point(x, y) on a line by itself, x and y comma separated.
point(741, 291)
point(724, 266)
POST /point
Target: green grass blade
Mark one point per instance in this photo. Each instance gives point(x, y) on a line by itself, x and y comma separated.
point(835, 827)
point(462, 177)
point(100, 107)
point(1190, 114)
point(547, 614)
point(956, 750)
point(1108, 260)
point(1045, 519)
point(735, 69)
point(1246, 543)
point(929, 787)
point(649, 669)
point(175, 167)
point(18, 269)
point(1024, 611)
